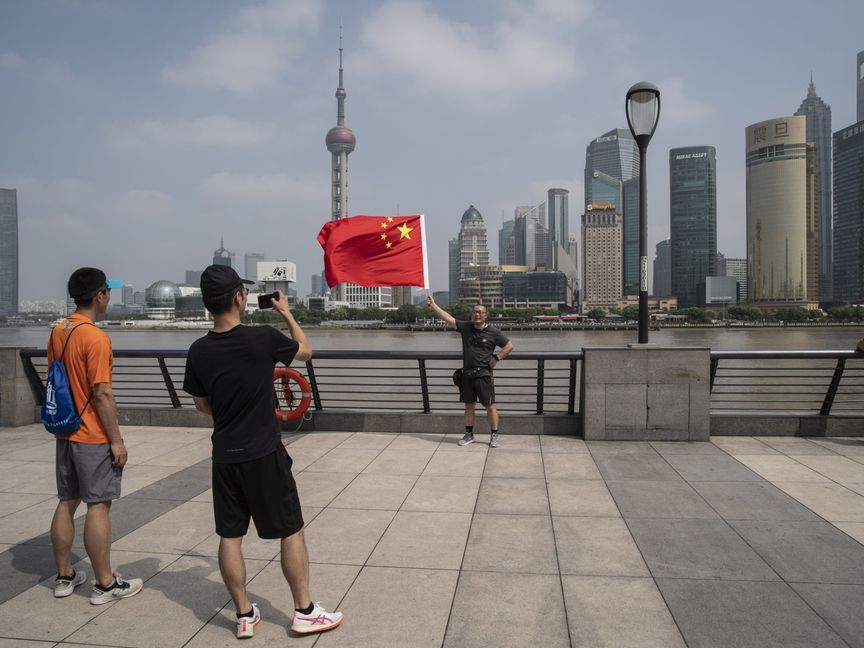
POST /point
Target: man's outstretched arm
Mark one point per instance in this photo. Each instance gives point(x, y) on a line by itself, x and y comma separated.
point(440, 312)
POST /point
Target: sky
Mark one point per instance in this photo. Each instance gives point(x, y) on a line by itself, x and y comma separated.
point(139, 133)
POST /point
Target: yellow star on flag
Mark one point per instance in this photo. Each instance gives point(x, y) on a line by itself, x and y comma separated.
point(384, 225)
point(389, 219)
point(383, 236)
point(405, 231)
point(389, 245)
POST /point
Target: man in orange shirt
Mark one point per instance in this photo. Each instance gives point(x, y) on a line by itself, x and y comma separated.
point(89, 461)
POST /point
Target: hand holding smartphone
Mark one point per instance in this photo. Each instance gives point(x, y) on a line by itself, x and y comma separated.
point(264, 300)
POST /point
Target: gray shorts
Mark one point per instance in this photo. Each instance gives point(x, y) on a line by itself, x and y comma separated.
point(84, 470)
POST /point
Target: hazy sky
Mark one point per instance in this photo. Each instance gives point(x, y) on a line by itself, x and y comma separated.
point(139, 133)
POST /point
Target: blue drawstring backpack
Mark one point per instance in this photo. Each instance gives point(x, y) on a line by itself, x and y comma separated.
point(58, 408)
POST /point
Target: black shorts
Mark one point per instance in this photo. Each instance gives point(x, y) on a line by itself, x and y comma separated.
point(474, 389)
point(262, 489)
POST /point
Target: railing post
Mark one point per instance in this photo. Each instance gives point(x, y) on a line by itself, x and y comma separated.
point(424, 386)
point(714, 363)
point(316, 397)
point(541, 367)
point(833, 387)
point(169, 384)
point(33, 378)
point(571, 399)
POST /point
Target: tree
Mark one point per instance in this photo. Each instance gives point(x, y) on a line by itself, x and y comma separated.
point(630, 312)
point(596, 313)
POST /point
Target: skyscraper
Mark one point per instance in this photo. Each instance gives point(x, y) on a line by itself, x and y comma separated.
point(507, 243)
point(860, 75)
point(663, 270)
point(473, 249)
point(849, 213)
point(223, 256)
point(601, 257)
point(616, 154)
point(453, 269)
point(777, 212)
point(8, 252)
point(737, 269)
point(692, 220)
point(558, 218)
point(531, 238)
point(340, 142)
point(818, 115)
point(250, 264)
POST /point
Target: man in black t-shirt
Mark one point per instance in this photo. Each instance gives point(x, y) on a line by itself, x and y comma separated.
point(229, 373)
point(478, 360)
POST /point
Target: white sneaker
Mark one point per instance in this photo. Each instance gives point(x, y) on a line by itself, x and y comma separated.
point(65, 586)
point(319, 621)
point(119, 589)
point(246, 625)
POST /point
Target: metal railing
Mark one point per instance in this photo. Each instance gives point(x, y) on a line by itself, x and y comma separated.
point(787, 382)
point(528, 382)
point(827, 383)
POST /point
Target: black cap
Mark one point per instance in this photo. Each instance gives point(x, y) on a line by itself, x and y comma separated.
point(86, 282)
point(219, 280)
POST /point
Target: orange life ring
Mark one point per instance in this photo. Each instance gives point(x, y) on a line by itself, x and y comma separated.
point(295, 409)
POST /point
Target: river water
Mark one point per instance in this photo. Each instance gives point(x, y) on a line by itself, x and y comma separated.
point(727, 339)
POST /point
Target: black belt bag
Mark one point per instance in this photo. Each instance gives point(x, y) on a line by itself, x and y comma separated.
point(469, 374)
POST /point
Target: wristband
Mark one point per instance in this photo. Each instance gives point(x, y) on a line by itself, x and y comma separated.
point(495, 355)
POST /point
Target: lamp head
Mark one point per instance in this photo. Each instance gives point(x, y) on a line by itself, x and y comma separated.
point(643, 111)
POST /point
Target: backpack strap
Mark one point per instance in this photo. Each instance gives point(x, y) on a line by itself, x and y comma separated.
point(63, 352)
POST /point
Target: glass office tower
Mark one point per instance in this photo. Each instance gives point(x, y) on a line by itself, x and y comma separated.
point(8, 252)
point(849, 214)
point(692, 219)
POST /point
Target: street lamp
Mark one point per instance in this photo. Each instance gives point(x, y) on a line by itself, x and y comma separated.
point(643, 112)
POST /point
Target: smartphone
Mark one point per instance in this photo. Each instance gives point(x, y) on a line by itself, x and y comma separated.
point(264, 300)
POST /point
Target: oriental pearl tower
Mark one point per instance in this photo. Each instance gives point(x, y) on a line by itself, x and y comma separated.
point(340, 142)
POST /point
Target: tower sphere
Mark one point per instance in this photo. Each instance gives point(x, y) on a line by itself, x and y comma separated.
point(471, 214)
point(340, 139)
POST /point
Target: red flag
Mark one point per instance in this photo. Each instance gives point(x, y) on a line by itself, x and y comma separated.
point(375, 251)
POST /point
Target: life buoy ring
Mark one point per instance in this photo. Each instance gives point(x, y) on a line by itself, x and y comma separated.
point(282, 377)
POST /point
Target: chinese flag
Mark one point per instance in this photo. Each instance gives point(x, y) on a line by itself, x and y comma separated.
point(375, 251)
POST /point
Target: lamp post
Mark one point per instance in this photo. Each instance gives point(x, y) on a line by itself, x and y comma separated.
point(643, 112)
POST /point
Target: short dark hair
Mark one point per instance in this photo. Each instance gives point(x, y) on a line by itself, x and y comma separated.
point(84, 284)
point(221, 303)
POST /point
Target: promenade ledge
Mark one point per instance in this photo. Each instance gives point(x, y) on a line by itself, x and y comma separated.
point(549, 540)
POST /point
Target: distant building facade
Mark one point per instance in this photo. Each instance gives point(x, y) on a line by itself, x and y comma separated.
point(193, 277)
point(601, 257)
point(860, 77)
point(818, 115)
point(777, 212)
point(737, 269)
point(473, 251)
point(223, 256)
point(616, 154)
point(8, 252)
point(453, 270)
point(250, 264)
point(663, 270)
point(507, 243)
point(849, 213)
point(692, 219)
point(532, 289)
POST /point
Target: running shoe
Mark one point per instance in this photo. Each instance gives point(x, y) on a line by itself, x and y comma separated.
point(320, 620)
point(246, 624)
point(118, 589)
point(493, 442)
point(65, 586)
point(468, 438)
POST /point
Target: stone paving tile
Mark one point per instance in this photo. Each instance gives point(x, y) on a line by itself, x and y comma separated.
point(443, 494)
point(514, 464)
point(384, 492)
point(320, 488)
point(345, 536)
point(181, 485)
point(852, 529)
point(450, 443)
point(13, 502)
point(570, 466)
point(635, 466)
point(38, 615)
point(416, 603)
point(721, 614)
point(682, 548)
point(175, 532)
point(663, 499)
point(467, 464)
point(596, 546)
point(832, 501)
point(42, 451)
point(399, 462)
point(752, 501)
point(667, 448)
point(423, 540)
point(21, 643)
point(368, 441)
point(29, 522)
point(848, 447)
point(347, 460)
point(513, 496)
point(507, 611)
point(840, 606)
point(557, 444)
point(136, 477)
point(183, 456)
point(805, 552)
point(795, 446)
point(416, 442)
point(37, 477)
point(735, 445)
point(775, 468)
point(858, 488)
point(328, 583)
point(254, 548)
point(320, 440)
point(511, 543)
point(581, 498)
point(520, 443)
point(302, 458)
point(711, 468)
point(840, 469)
point(613, 612)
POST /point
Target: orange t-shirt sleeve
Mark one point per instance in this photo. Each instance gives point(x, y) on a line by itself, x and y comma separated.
point(100, 359)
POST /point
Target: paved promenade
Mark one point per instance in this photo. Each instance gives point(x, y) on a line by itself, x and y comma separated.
point(547, 541)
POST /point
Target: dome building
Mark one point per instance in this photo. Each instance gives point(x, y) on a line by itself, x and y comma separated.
point(160, 299)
